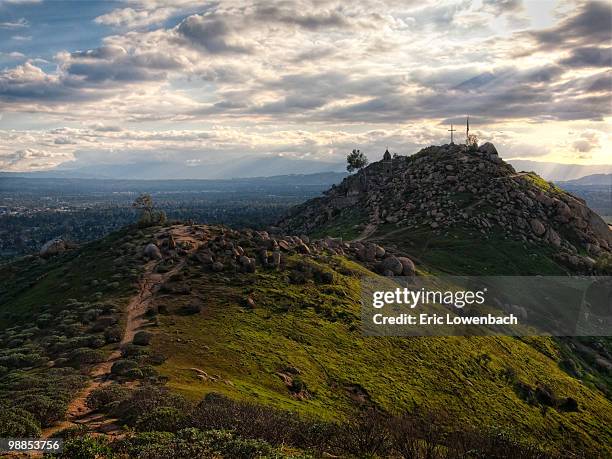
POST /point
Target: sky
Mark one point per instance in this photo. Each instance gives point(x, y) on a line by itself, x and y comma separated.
point(194, 82)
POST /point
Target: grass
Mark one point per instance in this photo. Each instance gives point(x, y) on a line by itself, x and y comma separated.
point(346, 225)
point(542, 184)
point(463, 251)
point(315, 328)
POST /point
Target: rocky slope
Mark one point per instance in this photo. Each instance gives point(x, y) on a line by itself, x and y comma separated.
point(450, 187)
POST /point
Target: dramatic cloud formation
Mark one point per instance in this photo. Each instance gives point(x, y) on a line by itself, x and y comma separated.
point(190, 80)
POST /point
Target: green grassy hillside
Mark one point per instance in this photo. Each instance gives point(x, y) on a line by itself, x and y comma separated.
point(311, 333)
point(288, 339)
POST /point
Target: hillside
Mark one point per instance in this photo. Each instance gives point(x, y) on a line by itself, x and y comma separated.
point(97, 335)
point(461, 211)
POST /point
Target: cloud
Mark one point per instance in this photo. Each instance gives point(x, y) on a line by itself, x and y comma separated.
point(212, 33)
point(13, 55)
point(19, 2)
point(589, 26)
point(18, 24)
point(285, 76)
point(589, 57)
point(502, 6)
point(307, 20)
point(587, 141)
point(129, 17)
point(144, 13)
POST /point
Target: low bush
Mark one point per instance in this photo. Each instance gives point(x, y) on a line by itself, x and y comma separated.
point(45, 409)
point(86, 356)
point(113, 334)
point(85, 447)
point(122, 367)
point(19, 360)
point(106, 397)
point(145, 399)
point(17, 422)
point(163, 419)
point(142, 338)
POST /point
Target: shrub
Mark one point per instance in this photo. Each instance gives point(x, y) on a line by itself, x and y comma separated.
point(366, 436)
point(228, 444)
point(142, 338)
point(145, 399)
point(96, 341)
point(86, 356)
point(107, 396)
point(103, 323)
point(19, 360)
point(133, 351)
point(149, 445)
point(113, 334)
point(163, 419)
point(122, 367)
point(249, 420)
point(45, 409)
point(17, 422)
point(85, 447)
point(190, 309)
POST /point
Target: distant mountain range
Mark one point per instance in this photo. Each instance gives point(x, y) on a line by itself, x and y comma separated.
point(590, 180)
point(270, 166)
point(235, 168)
point(560, 172)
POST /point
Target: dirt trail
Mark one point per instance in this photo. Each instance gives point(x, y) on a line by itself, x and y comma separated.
point(78, 412)
point(370, 227)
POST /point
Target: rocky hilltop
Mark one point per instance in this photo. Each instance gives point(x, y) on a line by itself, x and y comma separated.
point(443, 188)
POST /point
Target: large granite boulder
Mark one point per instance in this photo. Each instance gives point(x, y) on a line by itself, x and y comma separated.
point(53, 247)
point(152, 252)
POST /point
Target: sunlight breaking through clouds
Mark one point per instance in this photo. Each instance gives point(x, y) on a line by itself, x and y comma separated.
point(310, 79)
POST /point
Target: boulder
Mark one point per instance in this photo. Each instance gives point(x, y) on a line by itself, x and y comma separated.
point(284, 245)
point(392, 264)
point(554, 238)
point(152, 252)
point(488, 148)
point(217, 267)
point(303, 249)
point(407, 266)
point(249, 302)
point(537, 227)
point(53, 247)
point(367, 252)
point(544, 199)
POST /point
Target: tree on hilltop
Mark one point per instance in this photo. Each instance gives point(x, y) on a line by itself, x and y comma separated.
point(356, 161)
point(149, 216)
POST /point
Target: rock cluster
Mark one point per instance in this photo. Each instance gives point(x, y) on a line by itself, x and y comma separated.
point(228, 250)
point(53, 247)
point(448, 186)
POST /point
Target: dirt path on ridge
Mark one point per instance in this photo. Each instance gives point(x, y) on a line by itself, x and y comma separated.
point(78, 412)
point(370, 227)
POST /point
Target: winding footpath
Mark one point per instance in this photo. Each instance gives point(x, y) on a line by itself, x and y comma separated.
point(78, 413)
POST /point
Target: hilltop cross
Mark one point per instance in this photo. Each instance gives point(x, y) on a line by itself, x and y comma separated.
point(467, 131)
point(451, 130)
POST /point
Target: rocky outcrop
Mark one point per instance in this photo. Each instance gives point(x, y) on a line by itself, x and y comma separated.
point(449, 186)
point(53, 247)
